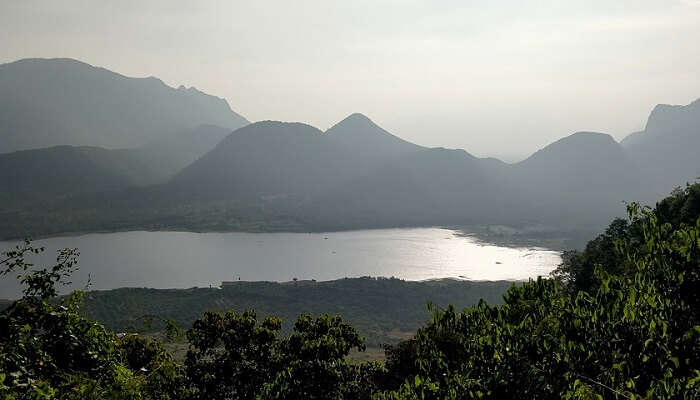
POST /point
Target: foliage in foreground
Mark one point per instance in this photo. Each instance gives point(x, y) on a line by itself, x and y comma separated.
point(631, 331)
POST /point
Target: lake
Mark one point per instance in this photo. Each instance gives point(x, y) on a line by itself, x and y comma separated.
point(186, 259)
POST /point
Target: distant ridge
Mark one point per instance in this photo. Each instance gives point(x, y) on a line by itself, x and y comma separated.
point(45, 174)
point(666, 151)
point(581, 179)
point(267, 158)
point(674, 119)
point(572, 146)
point(361, 135)
point(273, 159)
point(200, 174)
point(48, 102)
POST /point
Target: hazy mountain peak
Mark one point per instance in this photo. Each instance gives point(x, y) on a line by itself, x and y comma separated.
point(583, 137)
point(598, 135)
point(269, 134)
point(358, 133)
point(357, 118)
point(47, 102)
point(446, 150)
point(355, 123)
point(666, 150)
point(670, 119)
point(281, 127)
point(579, 145)
point(45, 61)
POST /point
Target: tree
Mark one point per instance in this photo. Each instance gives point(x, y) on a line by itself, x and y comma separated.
point(313, 361)
point(48, 350)
point(231, 355)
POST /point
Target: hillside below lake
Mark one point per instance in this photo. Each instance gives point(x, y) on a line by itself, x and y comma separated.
point(186, 259)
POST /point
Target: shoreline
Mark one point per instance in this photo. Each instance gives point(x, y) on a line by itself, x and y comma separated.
point(226, 285)
point(551, 239)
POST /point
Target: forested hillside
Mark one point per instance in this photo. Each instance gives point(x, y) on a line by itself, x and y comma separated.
point(619, 320)
point(383, 310)
point(32, 176)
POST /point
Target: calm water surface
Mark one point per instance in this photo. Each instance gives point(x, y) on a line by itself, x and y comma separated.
point(185, 259)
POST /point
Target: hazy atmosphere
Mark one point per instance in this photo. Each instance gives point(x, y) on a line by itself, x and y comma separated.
point(350, 200)
point(495, 78)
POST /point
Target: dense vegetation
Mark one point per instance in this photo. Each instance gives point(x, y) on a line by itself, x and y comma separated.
point(578, 268)
point(383, 310)
point(629, 329)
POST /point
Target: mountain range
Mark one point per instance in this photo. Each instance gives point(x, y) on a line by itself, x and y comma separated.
point(200, 166)
point(50, 102)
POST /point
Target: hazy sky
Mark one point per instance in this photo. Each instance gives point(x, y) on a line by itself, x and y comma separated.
point(499, 78)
